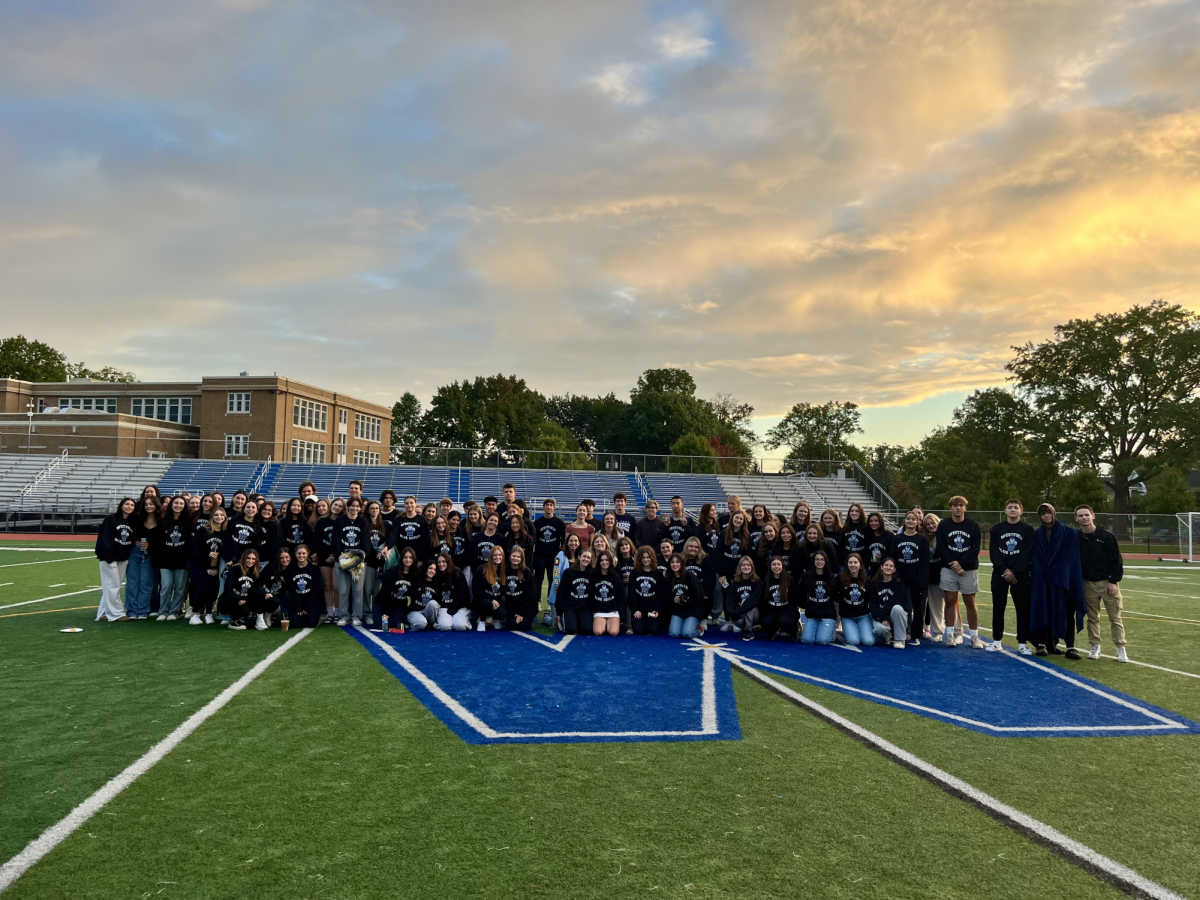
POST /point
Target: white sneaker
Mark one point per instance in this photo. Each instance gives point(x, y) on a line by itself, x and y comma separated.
point(976, 641)
point(948, 638)
point(160, 618)
point(958, 639)
point(736, 629)
point(195, 620)
point(498, 625)
point(1122, 656)
point(259, 624)
point(482, 626)
point(1024, 650)
point(267, 619)
point(342, 623)
point(1094, 653)
point(993, 647)
point(726, 627)
point(356, 623)
point(172, 617)
point(897, 645)
point(208, 619)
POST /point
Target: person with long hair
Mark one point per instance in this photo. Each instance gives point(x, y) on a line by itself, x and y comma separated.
point(395, 590)
point(645, 592)
point(410, 529)
point(735, 543)
point(294, 525)
point(474, 521)
point(242, 600)
point(377, 557)
point(454, 596)
point(114, 544)
point(778, 612)
point(789, 546)
point(766, 547)
point(172, 556)
point(520, 598)
point(484, 542)
point(684, 599)
point(488, 586)
point(733, 504)
point(141, 574)
point(935, 596)
point(219, 500)
point(759, 516)
point(879, 542)
point(272, 577)
point(608, 527)
point(855, 531)
point(203, 511)
point(325, 516)
point(607, 596)
point(831, 528)
point(242, 533)
point(814, 543)
point(270, 532)
point(700, 564)
point(625, 564)
point(460, 543)
point(801, 517)
point(237, 503)
point(439, 537)
point(303, 598)
point(582, 526)
point(423, 610)
point(742, 598)
point(910, 550)
point(890, 606)
point(564, 561)
point(518, 536)
point(574, 593)
point(820, 601)
point(350, 532)
point(204, 565)
point(852, 600)
point(710, 532)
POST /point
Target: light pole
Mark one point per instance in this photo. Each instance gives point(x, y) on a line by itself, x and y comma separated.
point(29, 434)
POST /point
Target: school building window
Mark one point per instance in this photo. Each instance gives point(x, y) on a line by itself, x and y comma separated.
point(308, 452)
point(166, 409)
point(343, 416)
point(307, 414)
point(238, 403)
point(237, 445)
point(95, 404)
point(365, 458)
point(367, 428)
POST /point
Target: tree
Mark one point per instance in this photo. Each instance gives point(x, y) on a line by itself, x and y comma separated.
point(1083, 487)
point(498, 412)
point(1169, 493)
point(406, 429)
point(995, 488)
point(815, 432)
point(1117, 392)
point(31, 360)
point(665, 381)
point(106, 373)
point(735, 416)
point(594, 421)
point(693, 445)
point(556, 448)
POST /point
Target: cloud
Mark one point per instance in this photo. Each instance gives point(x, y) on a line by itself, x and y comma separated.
point(798, 201)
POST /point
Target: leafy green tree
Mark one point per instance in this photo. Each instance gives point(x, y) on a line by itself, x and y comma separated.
point(406, 429)
point(735, 415)
point(1083, 486)
point(556, 448)
point(106, 373)
point(811, 432)
point(995, 488)
point(693, 445)
point(665, 381)
point(1169, 493)
point(31, 360)
point(498, 412)
point(1117, 392)
point(594, 421)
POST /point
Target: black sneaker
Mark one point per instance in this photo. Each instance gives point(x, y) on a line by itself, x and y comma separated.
point(1041, 649)
point(748, 635)
point(1072, 653)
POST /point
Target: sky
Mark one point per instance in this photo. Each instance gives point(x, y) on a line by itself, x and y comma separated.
point(796, 201)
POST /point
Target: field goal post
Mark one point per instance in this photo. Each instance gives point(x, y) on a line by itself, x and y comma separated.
point(1189, 535)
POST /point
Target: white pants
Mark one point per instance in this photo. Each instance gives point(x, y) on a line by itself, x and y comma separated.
point(111, 576)
point(419, 621)
point(460, 621)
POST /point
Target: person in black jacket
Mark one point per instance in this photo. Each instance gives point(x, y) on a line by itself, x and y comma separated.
point(742, 596)
point(204, 565)
point(303, 597)
point(960, 540)
point(1010, 547)
point(649, 531)
point(819, 601)
point(294, 526)
point(890, 606)
point(270, 532)
point(113, 546)
point(520, 597)
point(574, 595)
point(766, 548)
point(351, 532)
point(910, 552)
point(550, 532)
point(326, 515)
point(454, 596)
point(855, 532)
point(272, 578)
point(518, 535)
point(487, 589)
point(645, 592)
point(171, 555)
point(778, 612)
point(410, 530)
point(245, 597)
point(377, 556)
point(831, 530)
point(684, 599)
point(607, 596)
point(1103, 569)
point(398, 584)
point(879, 543)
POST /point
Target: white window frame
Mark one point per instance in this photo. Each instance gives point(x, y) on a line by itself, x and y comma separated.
point(311, 415)
point(308, 452)
point(237, 403)
point(343, 417)
point(237, 445)
point(162, 408)
point(366, 458)
point(368, 428)
point(90, 404)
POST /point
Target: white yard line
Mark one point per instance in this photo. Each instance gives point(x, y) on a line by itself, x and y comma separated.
point(55, 597)
point(40, 562)
point(47, 550)
point(1134, 662)
point(1082, 855)
point(60, 831)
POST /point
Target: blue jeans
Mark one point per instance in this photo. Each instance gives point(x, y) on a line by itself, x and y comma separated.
point(859, 631)
point(139, 583)
point(172, 591)
point(680, 627)
point(818, 631)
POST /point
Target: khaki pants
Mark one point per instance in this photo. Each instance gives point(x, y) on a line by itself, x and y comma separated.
point(935, 613)
point(1096, 592)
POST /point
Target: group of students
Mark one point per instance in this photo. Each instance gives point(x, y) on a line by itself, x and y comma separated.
point(356, 561)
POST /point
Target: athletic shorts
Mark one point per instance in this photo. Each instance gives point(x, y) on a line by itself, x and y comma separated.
point(966, 583)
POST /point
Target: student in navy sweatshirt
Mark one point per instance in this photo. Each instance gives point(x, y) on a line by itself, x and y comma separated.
point(325, 515)
point(484, 542)
point(735, 543)
point(294, 523)
point(574, 595)
point(520, 597)
point(831, 528)
point(607, 597)
point(487, 588)
point(626, 521)
point(879, 543)
point(820, 601)
point(411, 529)
point(855, 532)
point(171, 556)
point(778, 613)
point(303, 598)
point(710, 531)
point(741, 598)
point(550, 532)
point(398, 584)
point(114, 543)
point(684, 599)
point(1010, 548)
point(890, 605)
point(351, 532)
point(204, 565)
point(454, 596)
point(766, 548)
point(852, 603)
point(814, 543)
point(679, 526)
point(959, 540)
point(645, 593)
point(910, 553)
point(703, 566)
point(245, 598)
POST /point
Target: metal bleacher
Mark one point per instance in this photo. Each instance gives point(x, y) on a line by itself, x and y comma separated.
point(79, 482)
point(782, 492)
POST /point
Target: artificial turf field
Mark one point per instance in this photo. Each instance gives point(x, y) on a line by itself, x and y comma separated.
point(326, 777)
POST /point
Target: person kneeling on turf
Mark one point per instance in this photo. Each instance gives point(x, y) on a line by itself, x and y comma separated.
point(574, 595)
point(245, 597)
point(685, 599)
point(852, 603)
point(819, 590)
point(454, 596)
point(520, 592)
point(423, 609)
point(487, 587)
point(890, 605)
point(399, 582)
point(742, 594)
point(607, 596)
point(303, 596)
point(778, 613)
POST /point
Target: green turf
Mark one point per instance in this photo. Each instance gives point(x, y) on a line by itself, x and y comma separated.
point(327, 778)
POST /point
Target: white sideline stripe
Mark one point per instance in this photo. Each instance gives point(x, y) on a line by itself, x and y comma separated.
point(1135, 662)
point(55, 597)
point(559, 647)
point(1149, 568)
point(60, 831)
point(40, 562)
point(1005, 729)
point(1096, 863)
point(708, 700)
point(47, 550)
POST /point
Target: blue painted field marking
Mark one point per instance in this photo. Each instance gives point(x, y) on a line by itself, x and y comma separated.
point(999, 694)
point(494, 687)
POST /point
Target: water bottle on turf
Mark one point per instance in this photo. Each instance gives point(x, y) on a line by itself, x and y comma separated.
point(383, 622)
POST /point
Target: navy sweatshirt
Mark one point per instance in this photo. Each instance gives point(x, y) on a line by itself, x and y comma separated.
point(743, 597)
point(574, 591)
point(607, 593)
point(482, 545)
point(820, 595)
point(772, 599)
point(959, 542)
point(730, 554)
point(679, 530)
point(684, 596)
point(882, 596)
point(879, 546)
point(114, 543)
point(240, 536)
point(551, 531)
point(295, 533)
point(351, 534)
point(705, 572)
point(303, 589)
point(202, 545)
point(520, 597)
point(852, 600)
point(323, 538)
point(454, 594)
point(413, 533)
point(854, 540)
point(1011, 547)
point(395, 589)
point(911, 553)
point(645, 594)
